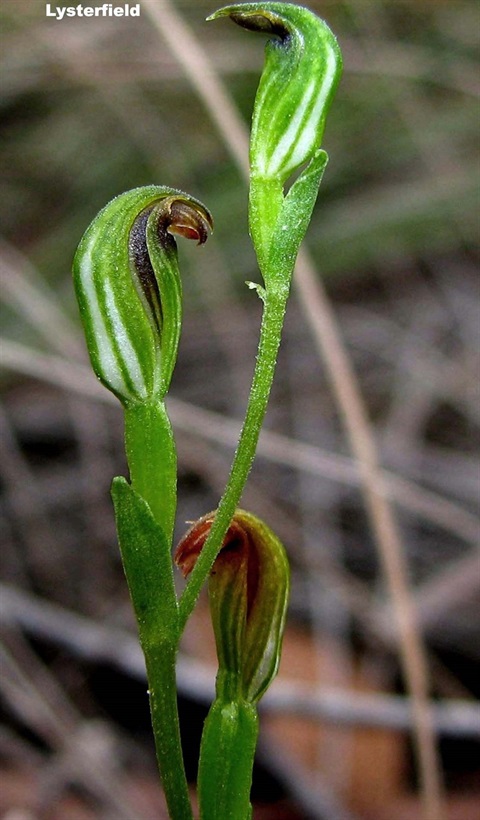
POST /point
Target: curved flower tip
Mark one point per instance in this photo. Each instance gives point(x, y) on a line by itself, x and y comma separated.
point(248, 591)
point(305, 63)
point(189, 219)
point(129, 291)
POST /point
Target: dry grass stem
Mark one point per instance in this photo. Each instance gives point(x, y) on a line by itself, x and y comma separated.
point(277, 448)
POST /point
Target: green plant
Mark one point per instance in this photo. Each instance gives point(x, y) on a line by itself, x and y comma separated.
point(129, 292)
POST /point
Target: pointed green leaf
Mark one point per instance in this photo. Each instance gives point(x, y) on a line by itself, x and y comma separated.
point(293, 220)
point(147, 562)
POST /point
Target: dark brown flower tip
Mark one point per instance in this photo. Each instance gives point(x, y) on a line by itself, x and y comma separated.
point(190, 220)
point(265, 23)
point(254, 17)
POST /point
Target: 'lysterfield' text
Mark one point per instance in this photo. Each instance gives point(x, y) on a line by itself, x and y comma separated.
point(105, 10)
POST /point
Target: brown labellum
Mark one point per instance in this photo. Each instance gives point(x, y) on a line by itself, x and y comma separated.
point(189, 221)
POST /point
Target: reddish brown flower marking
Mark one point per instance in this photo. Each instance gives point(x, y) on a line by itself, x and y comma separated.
point(238, 547)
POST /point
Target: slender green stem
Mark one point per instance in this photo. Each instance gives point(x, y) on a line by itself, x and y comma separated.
point(160, 656)
point(144, 513)
point(270, 336)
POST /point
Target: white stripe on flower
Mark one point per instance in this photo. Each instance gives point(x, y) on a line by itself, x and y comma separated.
point(302, 132)
point(107, 365)
point(127, 351)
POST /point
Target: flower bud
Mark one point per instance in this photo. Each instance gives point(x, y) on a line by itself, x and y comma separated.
point(129, 291)
point(302, 69)
point(248, 591)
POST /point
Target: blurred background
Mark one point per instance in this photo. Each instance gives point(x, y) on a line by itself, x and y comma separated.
point(92, 107)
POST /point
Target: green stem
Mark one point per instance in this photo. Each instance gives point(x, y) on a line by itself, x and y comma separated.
point(270, 336)
point(160, 656)
point(277, 226)
point(145, 520)
point(152, 460)
point(265, 200)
